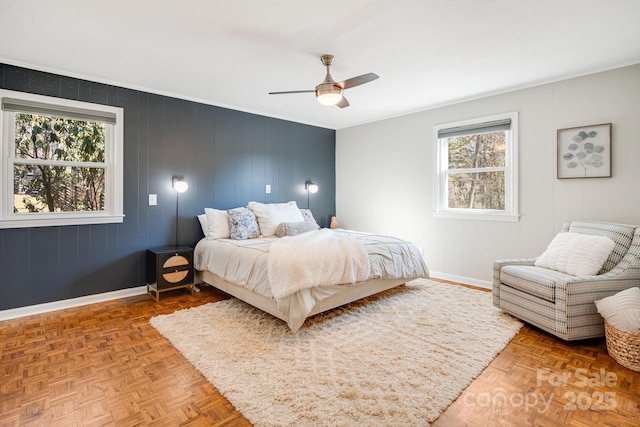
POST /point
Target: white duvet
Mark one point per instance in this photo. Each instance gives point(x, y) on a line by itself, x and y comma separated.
point(316, 258)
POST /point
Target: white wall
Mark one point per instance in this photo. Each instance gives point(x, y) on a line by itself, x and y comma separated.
point(384, 174)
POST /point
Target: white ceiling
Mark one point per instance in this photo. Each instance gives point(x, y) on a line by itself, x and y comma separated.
point(231, 53)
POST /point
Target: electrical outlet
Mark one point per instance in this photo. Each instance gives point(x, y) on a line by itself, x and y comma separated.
point(267, 189)
point(153, 199)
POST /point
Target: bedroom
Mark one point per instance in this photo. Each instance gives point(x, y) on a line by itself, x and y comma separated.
point(93, 260)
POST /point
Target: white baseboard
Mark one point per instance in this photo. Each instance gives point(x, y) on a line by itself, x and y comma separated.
point(14, 313)
point(461, 279)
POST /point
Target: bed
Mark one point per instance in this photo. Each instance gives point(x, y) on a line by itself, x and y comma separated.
point(320, 268)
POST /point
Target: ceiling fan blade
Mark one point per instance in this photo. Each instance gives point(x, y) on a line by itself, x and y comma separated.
point(356, 81)
point(343, 102)
point(292, 91)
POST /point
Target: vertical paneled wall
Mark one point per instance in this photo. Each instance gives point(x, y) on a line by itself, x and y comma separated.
point(226, 156)
point(400, 201)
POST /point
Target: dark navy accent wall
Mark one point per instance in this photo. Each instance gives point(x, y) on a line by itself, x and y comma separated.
point(226, 156)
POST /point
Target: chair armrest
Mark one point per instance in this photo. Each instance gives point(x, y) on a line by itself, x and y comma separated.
point(522, 261)
point(497, 266)
point(587, 289)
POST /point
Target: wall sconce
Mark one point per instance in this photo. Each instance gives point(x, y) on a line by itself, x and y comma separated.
point(311, 188)
point(180, 185)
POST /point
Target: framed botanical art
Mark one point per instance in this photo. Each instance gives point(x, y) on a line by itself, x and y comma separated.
point(585, 152)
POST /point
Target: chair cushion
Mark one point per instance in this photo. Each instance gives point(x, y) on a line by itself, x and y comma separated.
point(537, 281)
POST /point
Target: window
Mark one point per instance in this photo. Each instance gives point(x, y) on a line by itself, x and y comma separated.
point(61, 162)
point(477, 168)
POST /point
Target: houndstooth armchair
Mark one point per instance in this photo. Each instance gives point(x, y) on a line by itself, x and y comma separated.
point(560, 303)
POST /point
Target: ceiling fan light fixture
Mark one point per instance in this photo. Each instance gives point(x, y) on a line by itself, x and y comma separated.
point(329, 98)
point(328, 94)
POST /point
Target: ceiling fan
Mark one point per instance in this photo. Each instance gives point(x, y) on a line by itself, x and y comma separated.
point(329, 92)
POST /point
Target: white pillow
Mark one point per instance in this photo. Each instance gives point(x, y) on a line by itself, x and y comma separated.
point(217, 224)
point(622, 310)
point(271, 214)
point(203, 223)
point(576, 253)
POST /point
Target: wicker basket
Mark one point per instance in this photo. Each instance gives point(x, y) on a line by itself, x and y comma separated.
point(623, 347)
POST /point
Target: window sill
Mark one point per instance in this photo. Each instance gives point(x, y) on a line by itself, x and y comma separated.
point(477, 216)
point(61, 221)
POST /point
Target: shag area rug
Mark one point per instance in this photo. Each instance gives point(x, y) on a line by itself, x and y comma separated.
point(396, 358)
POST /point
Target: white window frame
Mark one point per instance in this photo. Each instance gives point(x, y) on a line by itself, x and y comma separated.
point(113, 165)
point(441, 208)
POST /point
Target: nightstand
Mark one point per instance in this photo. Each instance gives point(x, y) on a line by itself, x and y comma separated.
point(169, 268)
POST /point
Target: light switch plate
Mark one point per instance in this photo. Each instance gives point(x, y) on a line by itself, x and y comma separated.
point(153, 199)
point(267, 189)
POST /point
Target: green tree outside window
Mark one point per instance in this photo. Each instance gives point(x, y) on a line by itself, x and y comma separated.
point(77, 184)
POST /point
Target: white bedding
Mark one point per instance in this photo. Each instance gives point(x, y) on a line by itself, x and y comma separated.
point(316, 258)
point(245, 263)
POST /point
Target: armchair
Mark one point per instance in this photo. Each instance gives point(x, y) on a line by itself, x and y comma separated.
point(560, 303)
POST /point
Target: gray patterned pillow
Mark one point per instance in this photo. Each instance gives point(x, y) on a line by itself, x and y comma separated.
point(308, 216)
point(242, 224)
point(295, 228)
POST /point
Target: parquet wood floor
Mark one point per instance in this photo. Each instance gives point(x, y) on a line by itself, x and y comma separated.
point(105, 365)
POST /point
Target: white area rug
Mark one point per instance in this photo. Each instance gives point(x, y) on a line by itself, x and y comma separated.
point(399, 358)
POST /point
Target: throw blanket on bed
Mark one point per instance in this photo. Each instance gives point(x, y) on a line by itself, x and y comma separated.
point(316, 258)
